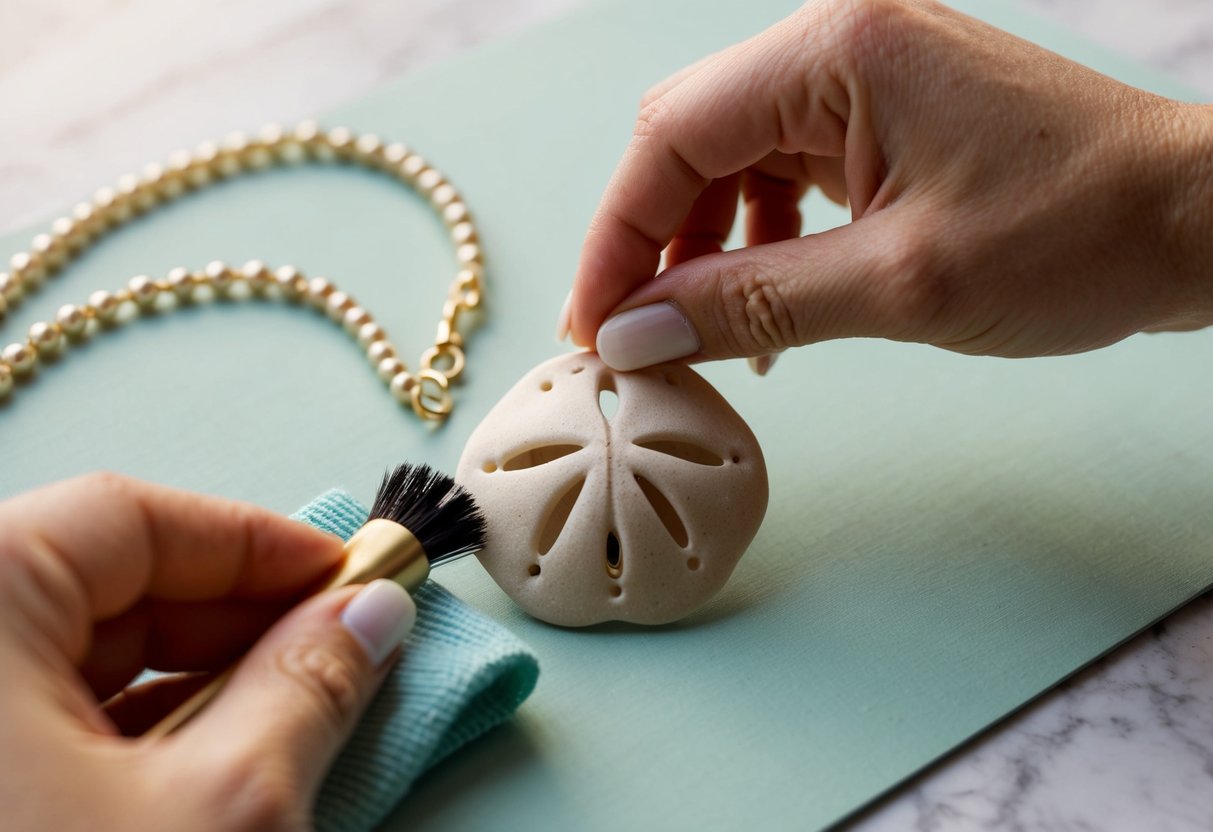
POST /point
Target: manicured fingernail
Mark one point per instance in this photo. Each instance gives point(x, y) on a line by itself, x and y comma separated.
point(379, 617)
point(762, 364)
point(563, 322)
point(646, 335)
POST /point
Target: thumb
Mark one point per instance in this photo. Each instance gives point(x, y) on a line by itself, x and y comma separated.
point(855, 280)
point(295, 698)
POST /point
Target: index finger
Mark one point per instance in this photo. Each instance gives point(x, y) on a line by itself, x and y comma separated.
point(111, 540)
point(713, 124)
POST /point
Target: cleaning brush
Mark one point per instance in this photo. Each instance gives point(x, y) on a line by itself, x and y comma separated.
point(420, 519)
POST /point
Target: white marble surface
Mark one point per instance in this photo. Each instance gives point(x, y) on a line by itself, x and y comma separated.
point(92, 88)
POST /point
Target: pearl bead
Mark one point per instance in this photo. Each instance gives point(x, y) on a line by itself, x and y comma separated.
point(66, 230)
point(318, 290)
point(20, 357)
point(307, 134)
point(428, 180)
point(402, 385)
point(104, 200)
point(46, 338)
point(467, 254)
point(463, 232)
point(443, 196)
point(50, 249)
point(257, 275)
point(412, 166)
point(6, 381)
point(153, 182)
point(143, 291)
point(71, 320)
point(112, 206)
point(206, 160)
point(27, 267)
point(232, 151)
point(394, 154)
point(369, 333)
point(341, 140)
point(180, 168)
point(291, 151)
point(257, 156)
point(271, 135)
point(88, 225)
point(455, 213)
point(11, 288)
point(337, 304)
point(379, 350)
point(219, 276)
point(354, 318)
point(369, 149)
point(181, 281)
point(127, 188)
point(389, 368)
point(290, 282)
point(105, 306)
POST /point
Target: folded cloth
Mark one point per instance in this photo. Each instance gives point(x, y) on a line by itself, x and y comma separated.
point(460, 675)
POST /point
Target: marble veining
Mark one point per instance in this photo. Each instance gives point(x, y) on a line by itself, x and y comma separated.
point(93, 88)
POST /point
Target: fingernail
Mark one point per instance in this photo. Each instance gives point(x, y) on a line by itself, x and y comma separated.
point(379, 617)
point(646, 335)
point(563, 322)
point(762, 364)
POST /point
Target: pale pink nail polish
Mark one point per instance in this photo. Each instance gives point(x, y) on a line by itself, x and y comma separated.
point(646, 335)
point(379, 617)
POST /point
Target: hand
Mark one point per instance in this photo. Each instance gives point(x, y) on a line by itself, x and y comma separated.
point(102, 576)
point(1006, 201)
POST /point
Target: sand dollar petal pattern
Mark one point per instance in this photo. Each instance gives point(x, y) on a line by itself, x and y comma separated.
point(614, 496)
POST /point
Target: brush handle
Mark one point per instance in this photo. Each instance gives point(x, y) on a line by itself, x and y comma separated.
point(380, 549)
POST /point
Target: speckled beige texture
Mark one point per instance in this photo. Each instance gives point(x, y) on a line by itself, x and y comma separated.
point(674, 476)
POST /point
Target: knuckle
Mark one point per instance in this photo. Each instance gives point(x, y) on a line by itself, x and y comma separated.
point(652, 119)
point(650, 95)
point(758, 317)
point(108, 482)
point(328, 676)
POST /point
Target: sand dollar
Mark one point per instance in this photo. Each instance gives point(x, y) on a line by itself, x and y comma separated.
point(614, 496)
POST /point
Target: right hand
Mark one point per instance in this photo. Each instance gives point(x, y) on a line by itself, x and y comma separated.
point(1006, 201)
point(102, 576)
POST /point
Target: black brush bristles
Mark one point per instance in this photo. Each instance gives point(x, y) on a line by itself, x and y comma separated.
point(439, 513)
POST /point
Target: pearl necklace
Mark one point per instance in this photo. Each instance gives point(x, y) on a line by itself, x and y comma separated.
point(427, 391)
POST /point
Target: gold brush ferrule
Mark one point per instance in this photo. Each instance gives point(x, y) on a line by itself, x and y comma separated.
point(382, 549)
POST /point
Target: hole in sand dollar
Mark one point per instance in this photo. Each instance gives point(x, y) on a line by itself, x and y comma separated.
point(614, 555)
point(681, 449)
point(665, 512)
point(616, 591)
point(545, 386)
point(489, 467)
point(608, 403)
point(577, 369)
point(533, 570)
point(693, 564)
point(557, 518)
point(541, 455)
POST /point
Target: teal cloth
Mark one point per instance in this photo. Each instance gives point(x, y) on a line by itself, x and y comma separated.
point(460, 675)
